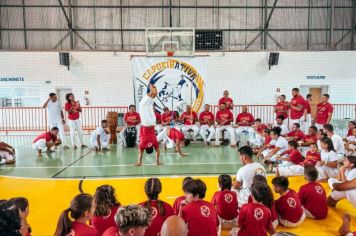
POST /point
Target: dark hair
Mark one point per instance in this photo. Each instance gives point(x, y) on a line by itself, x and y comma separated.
point(68, 95)
point(10, 221)
point(311, 173)
point(293, 144)
point(329, 127)
point(281, 181)
point(280, 117)
point(352, 160)
point(314, 128)
point(313, 144)
point(186, 180)
point(105, 199)
point(196, 187)
point(295, 89)
point(104, 121)
point(259, 178)
point(165, 109)
point(225, 182)
point(309, 95)
point(52, 94)
point(149, 150)
point(246, 150)
point(153, 188)
point(352, 122)
point(20, 202)
point(223, 103)
point(326, 95)
point(78, 206)
point(283, 96)
point(276, 130)
point(186, 142)
point(258, 120)
point(328, 142)
point(297, 125)
point(261, 192)
point(55, 129)
point(132, 106)
point(132, 216)
point(267, 130)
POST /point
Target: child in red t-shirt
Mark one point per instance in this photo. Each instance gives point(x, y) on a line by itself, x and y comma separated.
point(160, 210)
point(289, 209)
point(180, 201)
point(23, 206)
point(255, 218)
point(225, 202)
point(289, 161)
point(313, 156)
point(312, 195)
point(80, 211)
point(266, 142)
point(106, 206)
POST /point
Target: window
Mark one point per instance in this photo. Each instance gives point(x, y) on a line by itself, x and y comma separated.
point(20, 97)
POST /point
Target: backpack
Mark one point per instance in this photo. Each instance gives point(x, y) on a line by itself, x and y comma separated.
point(130, 136)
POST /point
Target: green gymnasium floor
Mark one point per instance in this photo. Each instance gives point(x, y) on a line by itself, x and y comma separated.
point(118, 162)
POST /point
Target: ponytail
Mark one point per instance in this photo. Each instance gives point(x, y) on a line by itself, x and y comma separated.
point(261, 192)
point(64, 224)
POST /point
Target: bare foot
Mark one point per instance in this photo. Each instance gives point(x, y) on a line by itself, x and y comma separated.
point(39, 154)
point(345, 227)
point(233, 146)
point(138, 164)
point(75, 147)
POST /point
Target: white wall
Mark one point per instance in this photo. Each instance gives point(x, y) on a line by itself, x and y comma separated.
point(108, 76)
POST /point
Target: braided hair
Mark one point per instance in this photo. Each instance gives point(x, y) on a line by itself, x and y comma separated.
point(105, 199)
point(153, 187)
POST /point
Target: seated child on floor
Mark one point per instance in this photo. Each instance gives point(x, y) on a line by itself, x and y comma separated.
point(327, 167)
point(288, 162)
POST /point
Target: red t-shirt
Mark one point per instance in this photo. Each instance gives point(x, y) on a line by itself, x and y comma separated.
point(297, 135)
point(289, 207)
point(272, 209)
point(178, 204)
point(189, 118)
point(313, 198)
point(112, 231)
point(132, 118)
point(81, 229)
point(323, 111)
point(175, 135)
point(206, 117)
point(102, 223)
point(245, 119)
point(158, 117)
point(295, 156)
point(254, 219)
point(261, 128)
point(148, 138)
point(74, 115)
point(48, 136)
point(310, 138)
point(311, 158)
point(167, 118)
point(228, 102)
point(282, 109)
point(157, 219)
point(307, 106)
point(222, 116)
point(268, 139)
point(225, 203)
point(349, 132)
point(201, 218)
point(297, 101)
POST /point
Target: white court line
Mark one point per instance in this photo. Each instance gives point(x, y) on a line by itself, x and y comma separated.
point(123, 165)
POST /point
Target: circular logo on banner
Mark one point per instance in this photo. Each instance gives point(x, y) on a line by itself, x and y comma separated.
point(178, 84)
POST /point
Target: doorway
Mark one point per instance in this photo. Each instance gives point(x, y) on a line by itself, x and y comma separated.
point(316, 92)
point(62, 95)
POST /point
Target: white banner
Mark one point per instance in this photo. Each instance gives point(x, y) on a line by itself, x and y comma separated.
point(179, 81)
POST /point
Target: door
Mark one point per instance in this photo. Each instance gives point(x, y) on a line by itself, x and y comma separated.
point(62, 95)
point(316, 98)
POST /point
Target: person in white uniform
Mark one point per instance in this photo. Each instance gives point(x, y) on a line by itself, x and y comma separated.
point(327, 167)
point(56, 116)
point(207, 128)
point(281, 124)
point(345, 185)
point(99, 139)
point(337, 141)
point(280, 143)
point(7, 154)
point(189, 119)
point(245, 175)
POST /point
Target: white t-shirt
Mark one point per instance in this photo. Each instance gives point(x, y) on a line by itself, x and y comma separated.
point(328, 156)
point(284, 129)
point(350, 174)
point(246, 174)
point(282, 143)
point(147, 114)
point(98, 131)
point(318, 143)
point(338, 144)
point(54, 112)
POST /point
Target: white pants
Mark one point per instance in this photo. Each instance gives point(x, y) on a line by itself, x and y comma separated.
point(230, 131)
point(75, 125)
point(60, 127)
point(5, 157)
point(256, 140)
point(319, 126)
point(159, 128)
point(307, 123)
point(339, 195)
point(203, 131)
point(300, 121)
point(327, 172)
point(291, 170)
point(41, 145)
point(104, 141)
point(186, 128)
point(162, 136)
point(244, 133)
point(289, 224)
point(122, 134)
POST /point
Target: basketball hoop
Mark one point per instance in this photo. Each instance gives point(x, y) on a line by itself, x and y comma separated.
point(170, 47)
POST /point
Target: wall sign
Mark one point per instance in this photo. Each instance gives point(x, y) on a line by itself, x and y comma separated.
point(316, 77)
point(12, 79)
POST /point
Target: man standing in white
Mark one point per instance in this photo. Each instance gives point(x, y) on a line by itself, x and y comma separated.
point(337, 141)
point(246, 174)
point(99, 139)
point(56, 116)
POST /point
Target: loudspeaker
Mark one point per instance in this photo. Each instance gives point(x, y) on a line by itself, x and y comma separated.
point(273, 59)
point(64, 59)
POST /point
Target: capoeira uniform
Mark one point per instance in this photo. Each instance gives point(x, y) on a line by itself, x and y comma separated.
point(207, 129)
point(292, 167)
point(297, 116)
point(282, 143)
point(350, 174)
point(244, 130)
point(256, 138)
point(104, 138)
point(307, 123)
point(323, 110)
point(158, 127)
point(280, 108)
point(189, 123)
point(307, 139)
point(284, 128)
point(74, 122)
point(227, 117)
point(132, 119)
point(40, 141)
point(351, 146)
point(5, 157)
point(170, 138)
point(324, 171)
point(339, 147)
point(55, 118)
